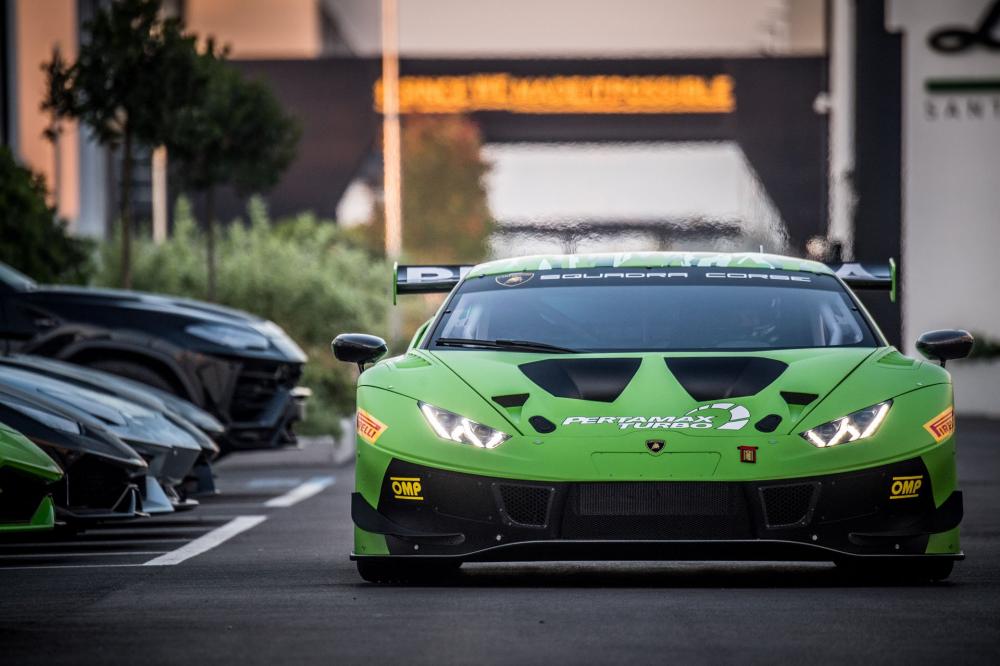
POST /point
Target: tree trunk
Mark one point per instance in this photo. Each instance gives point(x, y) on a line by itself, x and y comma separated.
point(210, 239)
point(125, 275)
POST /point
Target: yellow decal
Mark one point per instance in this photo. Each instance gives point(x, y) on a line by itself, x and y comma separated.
point(564, 94)
point(406, 487)
point(941, 425)
point(369, 427)
point(905, 487)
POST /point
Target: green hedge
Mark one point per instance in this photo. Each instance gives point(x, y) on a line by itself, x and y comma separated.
point(302, 273)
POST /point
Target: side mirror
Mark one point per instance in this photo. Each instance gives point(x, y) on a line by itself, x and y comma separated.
point(359, 348)
point(945, 345)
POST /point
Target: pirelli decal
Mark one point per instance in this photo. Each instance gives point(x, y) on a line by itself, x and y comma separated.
point(369, 427)
point(941, 425)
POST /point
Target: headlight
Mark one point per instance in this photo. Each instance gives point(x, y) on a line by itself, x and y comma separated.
point(856, 425)
point(228, 336)
point(455, 428)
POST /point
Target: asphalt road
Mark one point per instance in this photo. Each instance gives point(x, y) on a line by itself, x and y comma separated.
point(282, 591)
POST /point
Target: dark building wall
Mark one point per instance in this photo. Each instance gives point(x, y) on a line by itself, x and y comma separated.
point(784, 139)
point(878, 154)
point(331, 100)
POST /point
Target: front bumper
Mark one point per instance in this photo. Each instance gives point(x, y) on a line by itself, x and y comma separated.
point(886, 511)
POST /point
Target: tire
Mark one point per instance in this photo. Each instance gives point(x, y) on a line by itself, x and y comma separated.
point(393, 572)
point(920, 571)
point(136, 372)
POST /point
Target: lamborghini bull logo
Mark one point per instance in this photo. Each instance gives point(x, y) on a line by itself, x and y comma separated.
point(718, 416)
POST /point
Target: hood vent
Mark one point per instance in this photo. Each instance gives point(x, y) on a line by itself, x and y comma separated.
point(793, 398)
point(597, 379)
point(769, 423)
point(717, 377)
point(513, 400)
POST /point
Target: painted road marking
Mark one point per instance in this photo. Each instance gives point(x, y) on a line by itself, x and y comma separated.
point(302, 492)
point(20, 545)
point(57, 555)
point(68, 566)
point(274, 482)
point(207, 542)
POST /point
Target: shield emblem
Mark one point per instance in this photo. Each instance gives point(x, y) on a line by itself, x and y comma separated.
point(655, 445)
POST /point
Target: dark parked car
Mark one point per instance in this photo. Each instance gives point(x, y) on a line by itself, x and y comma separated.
point(102, 475)
point(199, 424)
point(169, 449)
point(242, 369)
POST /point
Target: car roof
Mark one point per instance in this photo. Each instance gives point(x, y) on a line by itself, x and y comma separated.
point(735, 260)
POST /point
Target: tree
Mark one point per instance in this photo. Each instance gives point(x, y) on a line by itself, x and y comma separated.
point(134, 71)
point(236, 134)
point(32, 239)
point(446, 217)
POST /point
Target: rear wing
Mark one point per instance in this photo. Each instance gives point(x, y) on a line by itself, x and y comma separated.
point(865, 276)
point(426, 279)
point(412, 279)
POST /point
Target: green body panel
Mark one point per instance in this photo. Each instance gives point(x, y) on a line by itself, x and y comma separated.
point(43, 519)
point(844, 379)
point(18, 452)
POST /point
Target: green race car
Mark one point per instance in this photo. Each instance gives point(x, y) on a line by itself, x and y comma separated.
point(25, 477)
point(653, 406)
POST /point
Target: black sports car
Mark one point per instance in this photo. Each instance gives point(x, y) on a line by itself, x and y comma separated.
point(199, 424)
point(102, 475)
point(241, 368)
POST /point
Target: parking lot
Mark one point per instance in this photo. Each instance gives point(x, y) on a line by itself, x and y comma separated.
point(260, 574)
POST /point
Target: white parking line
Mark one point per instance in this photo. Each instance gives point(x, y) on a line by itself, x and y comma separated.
point(207, 542)
point(57, 555)
point(67, 566)
point(301, 492)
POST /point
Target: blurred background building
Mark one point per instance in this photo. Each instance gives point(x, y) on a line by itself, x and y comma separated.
point(868, 128)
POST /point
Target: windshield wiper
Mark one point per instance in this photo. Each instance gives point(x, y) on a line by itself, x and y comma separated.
point(512, 345)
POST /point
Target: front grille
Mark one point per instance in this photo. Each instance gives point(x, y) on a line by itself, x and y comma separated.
point(656, 510)
point(787, 505)
point(256, 385)
point(20, 495)
point(94, 483)
point(526, 505)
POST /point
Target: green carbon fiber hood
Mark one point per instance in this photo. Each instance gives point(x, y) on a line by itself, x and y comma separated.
point(601, 440)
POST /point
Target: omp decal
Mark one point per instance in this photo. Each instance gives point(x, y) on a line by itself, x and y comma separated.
point(748, 454)
point(905, 487)
point(406, 488)
point(738, 417)
point(941, 425)
point(369, 427)
point(513, 279)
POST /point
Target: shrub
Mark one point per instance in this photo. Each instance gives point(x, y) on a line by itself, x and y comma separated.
point(32, 239)
point(300, 273)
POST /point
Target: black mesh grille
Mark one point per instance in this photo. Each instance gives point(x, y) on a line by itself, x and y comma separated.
point(787, 505)
point(20, 495)
point(95, 484)
point(527, 505)
point(656, 510)
point(256, 386)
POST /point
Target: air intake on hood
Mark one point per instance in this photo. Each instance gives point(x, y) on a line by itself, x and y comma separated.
point(598, 379)
point(717, 377)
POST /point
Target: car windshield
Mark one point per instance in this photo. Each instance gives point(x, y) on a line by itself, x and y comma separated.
point(14, 279)
point(637, 310)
